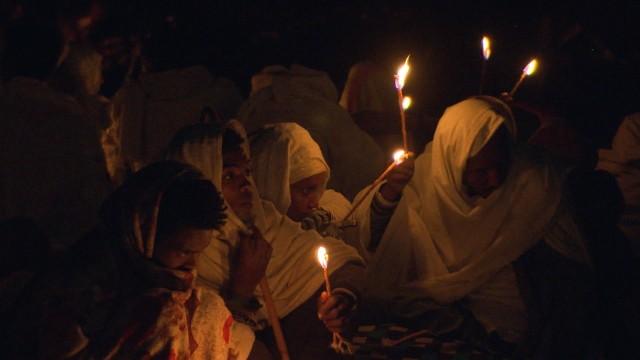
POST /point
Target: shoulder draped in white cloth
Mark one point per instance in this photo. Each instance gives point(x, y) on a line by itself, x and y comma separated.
point(293, 273)
point(443, 244)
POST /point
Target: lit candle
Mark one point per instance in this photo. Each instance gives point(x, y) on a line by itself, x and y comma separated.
point(323, 259)
point(399, 156)
point(527, 71)
point(339, 344)
point(486, 54)
point(400, 78)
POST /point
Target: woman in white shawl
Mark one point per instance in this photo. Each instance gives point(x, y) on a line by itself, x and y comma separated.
point(277, 249)
point(290, 171)
point(474, 206)
point(309, 98)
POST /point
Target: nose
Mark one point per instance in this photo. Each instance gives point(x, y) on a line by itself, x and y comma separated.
point(245, 184)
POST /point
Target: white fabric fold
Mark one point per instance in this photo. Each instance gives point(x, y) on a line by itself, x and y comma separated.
point(283, 154)
point(440, 243)
point(293, 273)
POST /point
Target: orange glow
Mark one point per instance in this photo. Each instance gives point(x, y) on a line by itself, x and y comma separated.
point(406, 102)
point(401, 75)
point(486, 47)
point(399, 156)
point(531, 67)
point(323, 257)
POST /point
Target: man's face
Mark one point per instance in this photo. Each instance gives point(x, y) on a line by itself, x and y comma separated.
point(236, 187)
point(487, 170)
point(305, 195)
point(181, 249)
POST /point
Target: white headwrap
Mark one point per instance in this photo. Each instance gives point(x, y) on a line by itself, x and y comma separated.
point(284, 154)
point(293, 272)
point(445, 245)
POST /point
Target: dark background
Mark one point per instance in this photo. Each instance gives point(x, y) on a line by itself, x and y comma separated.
point(589, 51)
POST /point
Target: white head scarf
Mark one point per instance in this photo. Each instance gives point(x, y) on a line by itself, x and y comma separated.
point(445, 245)
point(284, 154)
point(293, 272)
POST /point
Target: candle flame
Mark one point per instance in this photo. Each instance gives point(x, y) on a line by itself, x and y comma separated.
point(486, 47)
point(402, 73)
point(399, 156)
point(323, 257)
point(531, 67)
point(406, 102)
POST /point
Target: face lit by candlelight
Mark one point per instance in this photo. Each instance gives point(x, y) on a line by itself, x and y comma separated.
point(236, 186)
point(487, 170)
point(323, 257)
point(305, 195)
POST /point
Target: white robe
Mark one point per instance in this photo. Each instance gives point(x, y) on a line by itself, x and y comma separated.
point(147, 113)
point(52, 168)
point(308, 97)
point(622, 161)
point(293, 273)
point(445, 246)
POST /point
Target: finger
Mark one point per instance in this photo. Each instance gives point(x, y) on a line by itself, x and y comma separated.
point(336, 312)
point(326, 306)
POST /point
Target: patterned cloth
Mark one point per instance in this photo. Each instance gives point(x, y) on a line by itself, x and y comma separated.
point(109, 299)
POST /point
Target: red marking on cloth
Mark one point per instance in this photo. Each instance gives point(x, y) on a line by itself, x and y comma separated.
point(226, 329)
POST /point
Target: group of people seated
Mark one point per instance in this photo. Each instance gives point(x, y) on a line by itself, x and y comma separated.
point(162, 224)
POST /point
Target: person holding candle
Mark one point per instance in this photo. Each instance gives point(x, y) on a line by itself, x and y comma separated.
point(480, 222)
point(290, 171)
point(259, 242)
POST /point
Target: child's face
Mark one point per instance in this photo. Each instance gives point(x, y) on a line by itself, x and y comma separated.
point(236, 186)
point(305, 195)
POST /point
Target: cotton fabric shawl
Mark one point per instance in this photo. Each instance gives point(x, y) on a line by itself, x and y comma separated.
point(293, 273)
point(443, 244)
point(284, 154)
point(309, 98)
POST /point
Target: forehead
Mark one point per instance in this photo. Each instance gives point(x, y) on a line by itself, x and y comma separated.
point(234, 159)
point(312, 181)
point(191, 239)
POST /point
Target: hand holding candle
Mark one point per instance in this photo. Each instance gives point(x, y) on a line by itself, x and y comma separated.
point(397, 174)
point(331, 308)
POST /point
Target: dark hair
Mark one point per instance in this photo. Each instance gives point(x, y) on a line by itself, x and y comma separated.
point(190, 203)
point(231, 141)
point(32, 50)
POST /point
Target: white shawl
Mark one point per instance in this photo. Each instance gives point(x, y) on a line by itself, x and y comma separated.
point(623, 162)
point(308, 97)
point(283, 154)
point(293, 273)
point(444, 245)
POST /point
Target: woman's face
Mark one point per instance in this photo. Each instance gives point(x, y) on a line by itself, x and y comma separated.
point(181, 249)
point(486, 171)
point(305, 195)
